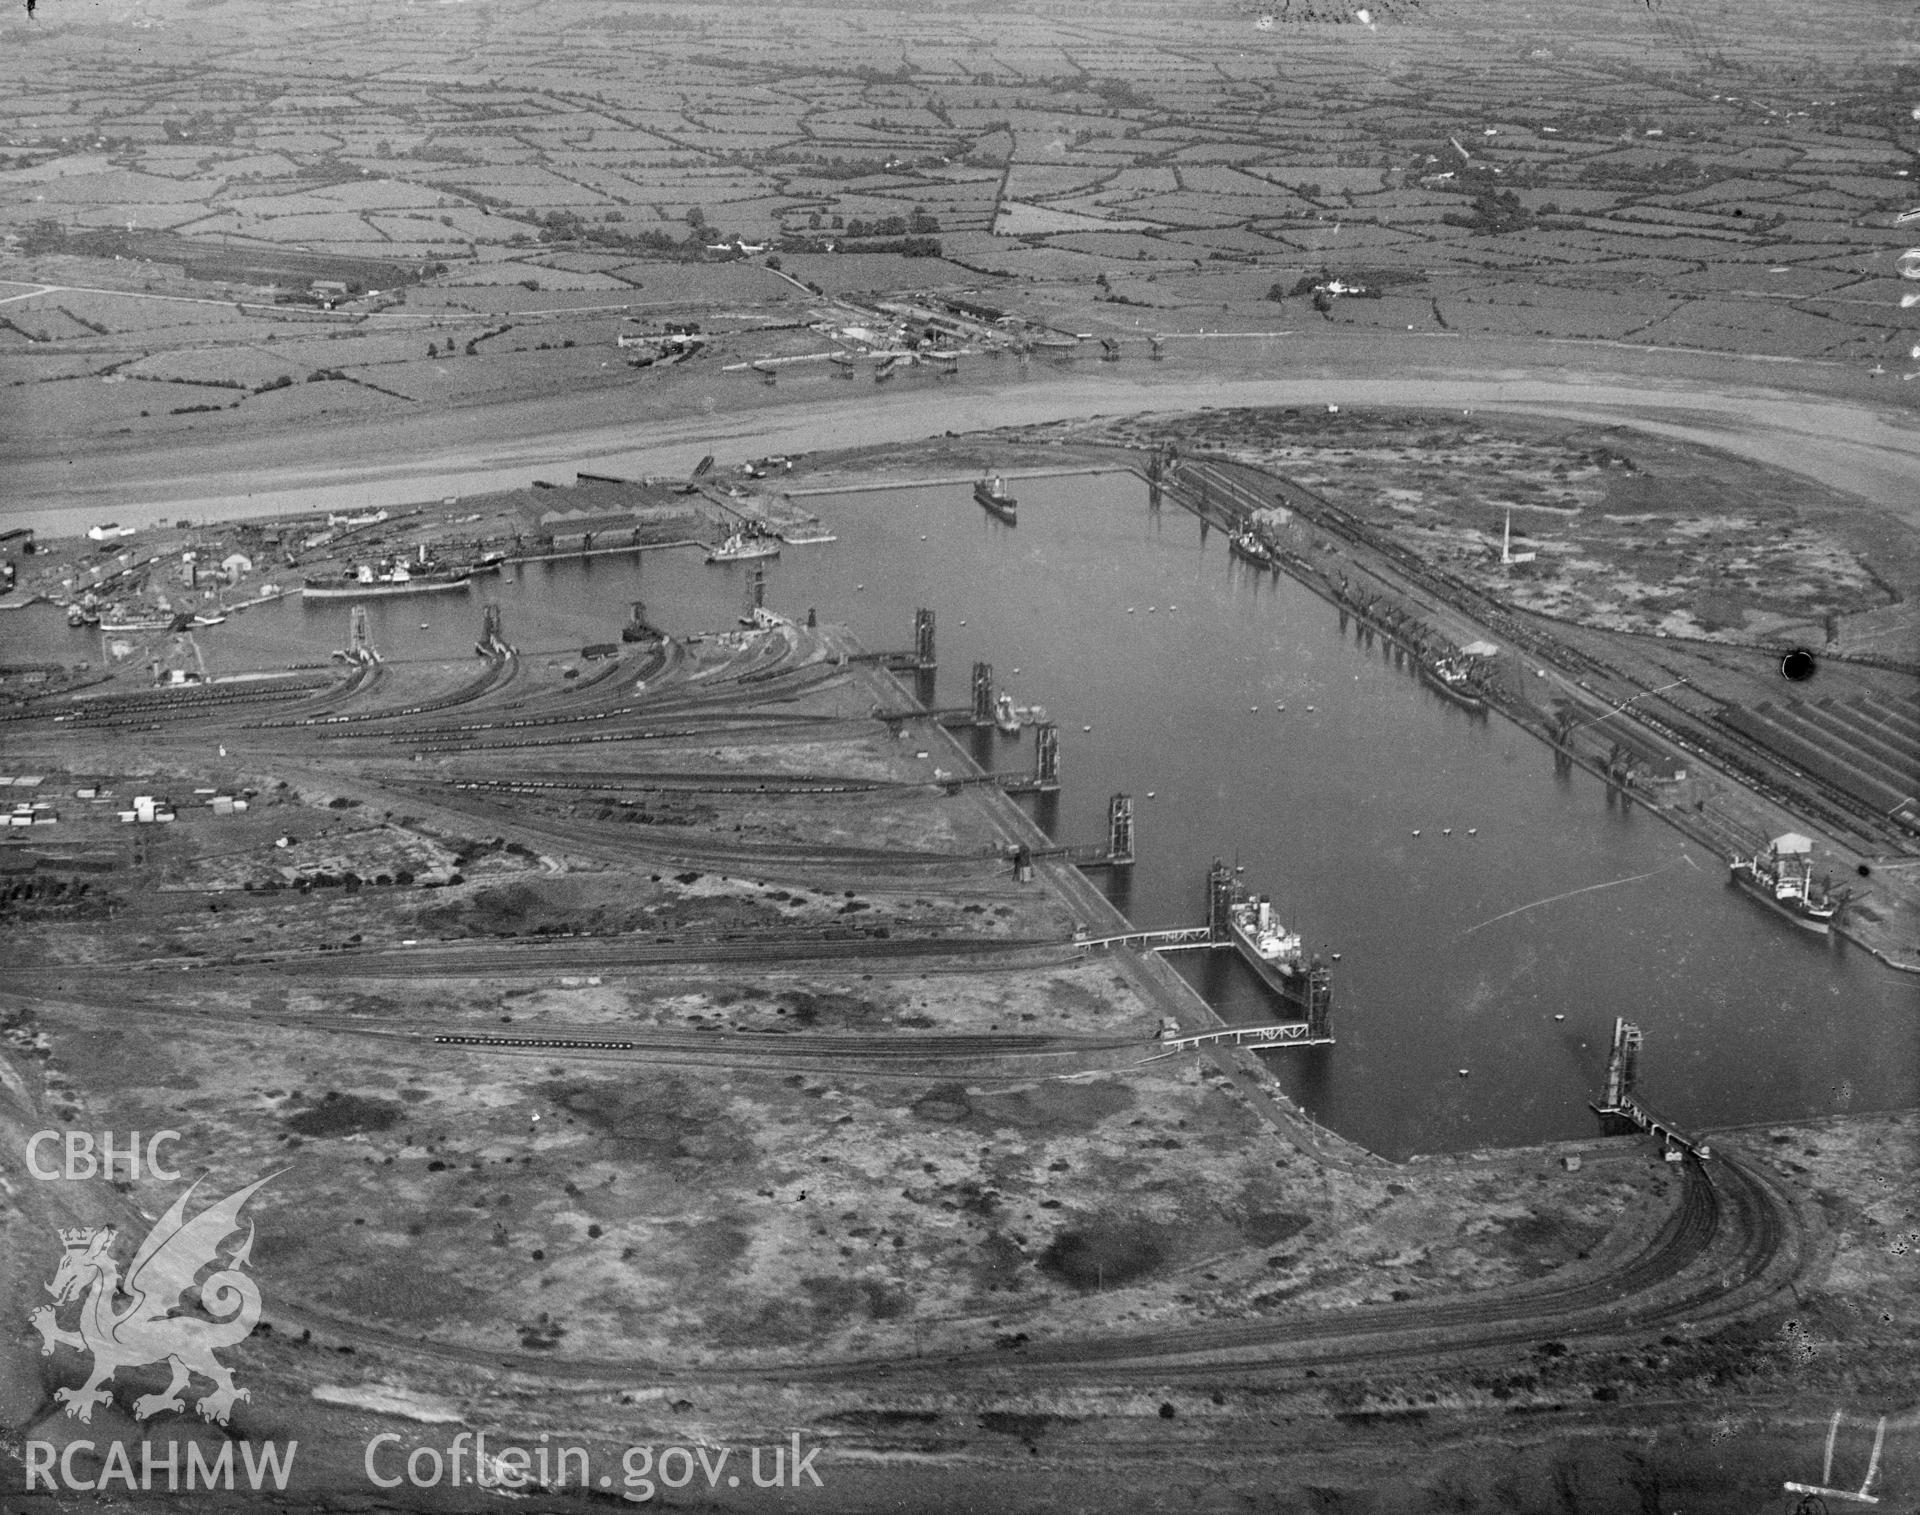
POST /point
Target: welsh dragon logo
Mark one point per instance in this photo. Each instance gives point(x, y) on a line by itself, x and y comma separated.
point(164, 1271)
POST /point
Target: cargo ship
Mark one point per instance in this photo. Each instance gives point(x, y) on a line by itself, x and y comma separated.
point(1247, 923)
point(1249, 548)
point(120, 623)
point(1274, 951)
point(743, 546)
point(992, 493)
point(1782, 878)
point(392, 576)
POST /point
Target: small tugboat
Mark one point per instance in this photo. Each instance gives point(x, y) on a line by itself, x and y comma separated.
point(745, 544)
point(992, 493)
point(1782, 878)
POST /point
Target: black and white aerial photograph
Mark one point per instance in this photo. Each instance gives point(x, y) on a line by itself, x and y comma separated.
point(866, 757)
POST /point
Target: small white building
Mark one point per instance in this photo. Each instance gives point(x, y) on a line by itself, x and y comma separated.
point(236, 566)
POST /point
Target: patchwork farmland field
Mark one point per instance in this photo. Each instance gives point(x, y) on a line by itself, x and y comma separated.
point(1594, 159)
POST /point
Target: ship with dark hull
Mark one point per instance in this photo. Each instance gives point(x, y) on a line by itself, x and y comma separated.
point(639, 628)
point(372, 581)
point(124, 623)
point(1249, 548)
point(1781, 878)
point(992, 493)
point(1453, 676)
point(1249, 923)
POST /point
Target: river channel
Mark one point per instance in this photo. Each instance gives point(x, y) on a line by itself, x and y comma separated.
point(1409, 836)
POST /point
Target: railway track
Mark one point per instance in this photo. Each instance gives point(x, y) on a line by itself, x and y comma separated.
point(703, 850)
point(691, 783)
point(917, 1054)
point(499, 672)
point(732, 1048)
point(1747, 761)
point(575, 955)
point(121, 711)
point(1731, 1245)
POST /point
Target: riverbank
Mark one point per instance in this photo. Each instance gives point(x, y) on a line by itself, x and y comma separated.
point(1801, 418)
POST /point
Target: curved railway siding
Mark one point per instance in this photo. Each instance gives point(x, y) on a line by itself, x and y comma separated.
point(783, 862)
point(365, 679)
point(1727, 1250)
point(137, 711)
point(694, 721)
point(1733, 1243)
point(574, 689)
point(499, 673)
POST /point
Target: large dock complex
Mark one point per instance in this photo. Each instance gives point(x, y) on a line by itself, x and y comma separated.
point(1020, 760)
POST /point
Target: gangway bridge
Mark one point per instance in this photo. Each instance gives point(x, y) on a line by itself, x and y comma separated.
point(1283, 1034)
point(1308, 988)
point(920, 658)
point(979, 713)
point(1084, 855)
point(1180, 938)
point(944, 715)
point(1620, 1105)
